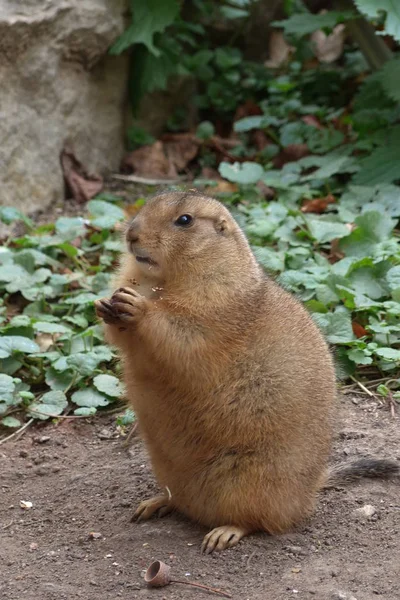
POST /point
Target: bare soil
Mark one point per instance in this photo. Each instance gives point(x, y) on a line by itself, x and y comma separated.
point(81, 481)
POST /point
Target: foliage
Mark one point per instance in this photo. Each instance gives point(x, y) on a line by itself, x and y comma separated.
point(51, 348)
point(374, 9)
point(312, 177)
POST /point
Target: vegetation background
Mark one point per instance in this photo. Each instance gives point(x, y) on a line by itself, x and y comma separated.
point(287, 111)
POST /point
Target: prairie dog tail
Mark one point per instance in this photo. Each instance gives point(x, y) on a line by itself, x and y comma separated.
point(364, 467)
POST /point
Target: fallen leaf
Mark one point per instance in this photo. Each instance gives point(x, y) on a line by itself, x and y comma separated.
point(150, 161)
point(222, 187)
point(317, 205)
point(45, 341)
point(264, 189)
point(291, 153)
point(210, 173)
point(335, 253)
point(279, 50)
point(329, 48)
point(312, 121)
point(247, 109)
point(181, 150)
point(82, 186)
point(260, 139)
point(358, 330)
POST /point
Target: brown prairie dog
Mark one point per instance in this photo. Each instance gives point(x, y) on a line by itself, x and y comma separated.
point(231, 380)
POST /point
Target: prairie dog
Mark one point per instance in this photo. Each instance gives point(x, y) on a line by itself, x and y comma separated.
point(231, 380)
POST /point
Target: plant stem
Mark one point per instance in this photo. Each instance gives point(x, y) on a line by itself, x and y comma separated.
point(202, 586)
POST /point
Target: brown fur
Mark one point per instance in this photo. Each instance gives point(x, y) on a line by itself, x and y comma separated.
point(232, 382)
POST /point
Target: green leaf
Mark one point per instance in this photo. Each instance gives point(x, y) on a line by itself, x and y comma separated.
point(305, 23)
point(86, 362)
point(50, 404)
point(393, 278)
point(325, 229)
point(45, 327)
point(244, 173)
point(389, 77)
point(336, 325)
point(58, 380)
point(270, 259)
point(205, 130)
point(82, 298)
point(85, 411)
point(383, 164)
point(373, 9)
point(388, 353)
point(372, 228)
point(10, 422)
point(110, 385)
point(7, 387)
point(256, 122)
point(70, 227)
point(359, 357)
point(127, 418)
point(148, 17)
point(331, 166)
point(16, 343)
point(90, 397)
point(105, 215)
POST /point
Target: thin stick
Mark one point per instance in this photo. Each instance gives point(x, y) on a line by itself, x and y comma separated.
point(147, 180)
point(362, 386)
point(38, 412)
point(131, 433)
point(203, 587)
point(16, 433)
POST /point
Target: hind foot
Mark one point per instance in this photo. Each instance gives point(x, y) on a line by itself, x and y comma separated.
point(147, 508)
point(221, 538)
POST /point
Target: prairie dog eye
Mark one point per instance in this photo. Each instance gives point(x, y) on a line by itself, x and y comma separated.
point(184, 220)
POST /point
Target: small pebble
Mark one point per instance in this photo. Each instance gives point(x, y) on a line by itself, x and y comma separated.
point(367, 511)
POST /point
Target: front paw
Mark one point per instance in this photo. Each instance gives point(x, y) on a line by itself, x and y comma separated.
point(128, 304)
point(105, 310)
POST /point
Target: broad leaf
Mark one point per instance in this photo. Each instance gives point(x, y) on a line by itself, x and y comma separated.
point(16, 343)
point(245, 173)
point(90, 398)
point(373, 10)
point(51, 404)
point(108, 384)
point(148, 17)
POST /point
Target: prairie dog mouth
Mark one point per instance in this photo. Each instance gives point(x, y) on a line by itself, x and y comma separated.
point(146, 260)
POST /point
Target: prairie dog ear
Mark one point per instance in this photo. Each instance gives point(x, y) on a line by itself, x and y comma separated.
point(222, 226)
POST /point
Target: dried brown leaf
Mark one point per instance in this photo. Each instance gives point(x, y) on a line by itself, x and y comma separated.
point(82, 185)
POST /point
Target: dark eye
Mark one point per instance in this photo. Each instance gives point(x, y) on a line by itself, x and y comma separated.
point(184, 220)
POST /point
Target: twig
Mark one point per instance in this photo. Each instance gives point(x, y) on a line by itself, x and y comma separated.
point(362, 386)
point(392, 404)
point(202, 586)
point(147, 180)
point(38, 412)
point(130, 434)
point(18, 433)
point(8, 524)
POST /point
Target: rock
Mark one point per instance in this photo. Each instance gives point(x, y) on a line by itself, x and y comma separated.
point(367, 511)
point(65, 91)
point(339, 595)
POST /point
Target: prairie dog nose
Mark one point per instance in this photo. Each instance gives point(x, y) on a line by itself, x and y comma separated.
point(132, 235)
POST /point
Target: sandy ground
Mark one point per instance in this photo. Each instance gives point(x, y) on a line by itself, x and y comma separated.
point(80, 480)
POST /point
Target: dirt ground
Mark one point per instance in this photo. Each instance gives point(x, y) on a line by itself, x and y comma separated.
point(81, 480)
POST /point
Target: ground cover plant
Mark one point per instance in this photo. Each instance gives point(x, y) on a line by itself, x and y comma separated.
point(307, 157)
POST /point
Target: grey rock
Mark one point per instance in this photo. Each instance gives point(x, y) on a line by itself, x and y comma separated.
point(59, 87)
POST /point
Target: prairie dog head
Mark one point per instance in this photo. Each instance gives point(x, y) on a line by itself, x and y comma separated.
point(179, 232)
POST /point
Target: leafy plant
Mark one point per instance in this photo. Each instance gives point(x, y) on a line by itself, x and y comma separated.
point(52, 353)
